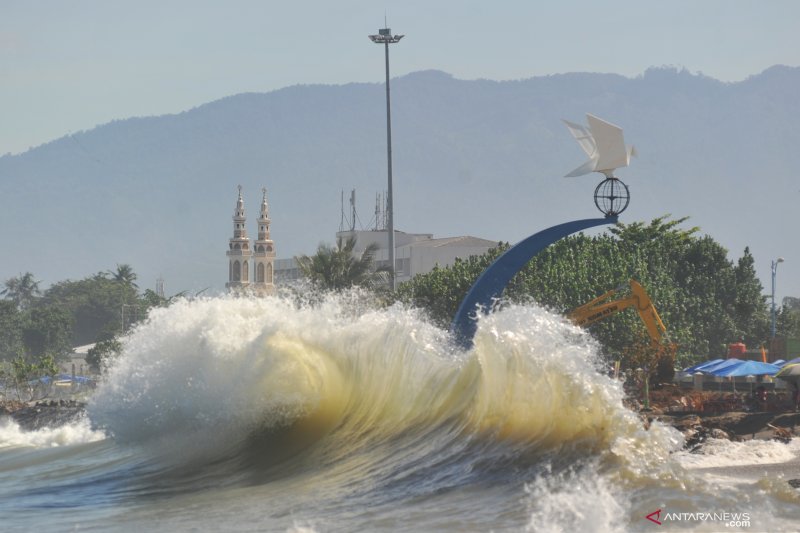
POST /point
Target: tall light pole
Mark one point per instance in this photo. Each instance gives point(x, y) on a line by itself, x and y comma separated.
point(774, 272)
point(386, 38)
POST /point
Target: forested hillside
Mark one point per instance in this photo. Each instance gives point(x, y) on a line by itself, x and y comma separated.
point(471, 157)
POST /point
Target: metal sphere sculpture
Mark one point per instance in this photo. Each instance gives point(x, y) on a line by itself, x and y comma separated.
point(611, 197)
point(604, 144)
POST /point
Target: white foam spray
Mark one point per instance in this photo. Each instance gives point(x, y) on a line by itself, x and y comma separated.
point(76, 432)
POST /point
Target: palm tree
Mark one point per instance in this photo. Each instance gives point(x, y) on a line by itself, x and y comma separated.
point(337, 268)
point(22, 289)
point(124, 274)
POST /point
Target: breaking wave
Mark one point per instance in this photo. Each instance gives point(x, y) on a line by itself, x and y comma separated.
point(231, 369)
point(78, 432)
point(303, 414)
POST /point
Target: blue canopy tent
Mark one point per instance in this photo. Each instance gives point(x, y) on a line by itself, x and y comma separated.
point(741, 368)
point(716, 367)
point(700, 366)
point(747, 368)
point(83, 380)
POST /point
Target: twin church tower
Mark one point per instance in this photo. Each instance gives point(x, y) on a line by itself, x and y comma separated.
point(241, 256)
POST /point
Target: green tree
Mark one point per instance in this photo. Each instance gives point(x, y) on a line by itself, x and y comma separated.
point(704, 300)
point(97, 304)
point(27, 373)
point(69, 313)
point(750, 302)
point(11, 345)
point(787, 322)
point(47, 331)
point(124, 274)
point(150, 299)
point(22, 290)
point(791, 303)
point(338, 268)
point(102, 352)
point(440, 291)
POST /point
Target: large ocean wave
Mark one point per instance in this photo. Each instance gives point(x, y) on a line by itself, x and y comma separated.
point(368, 415)
point(221, 371)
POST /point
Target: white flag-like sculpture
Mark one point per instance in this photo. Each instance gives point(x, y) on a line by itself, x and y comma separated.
point(603, 143)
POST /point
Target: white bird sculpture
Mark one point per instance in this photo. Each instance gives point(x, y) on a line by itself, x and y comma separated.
point(603, 143)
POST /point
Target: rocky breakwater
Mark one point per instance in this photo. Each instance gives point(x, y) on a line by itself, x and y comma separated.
point(736, 426)
point(38, 415)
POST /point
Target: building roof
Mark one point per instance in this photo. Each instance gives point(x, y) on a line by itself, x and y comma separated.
point(466, 241)
point(83, 350)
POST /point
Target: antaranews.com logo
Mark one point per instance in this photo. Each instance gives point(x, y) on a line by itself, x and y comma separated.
point(725, 518)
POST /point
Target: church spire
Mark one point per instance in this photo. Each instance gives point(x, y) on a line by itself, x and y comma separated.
point(239, 252)
point(263, 218)
point(264, 256)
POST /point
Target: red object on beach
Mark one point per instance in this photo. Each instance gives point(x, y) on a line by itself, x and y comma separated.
point(737, 350)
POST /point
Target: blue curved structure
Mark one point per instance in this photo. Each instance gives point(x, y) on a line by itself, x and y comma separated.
point(490, 285)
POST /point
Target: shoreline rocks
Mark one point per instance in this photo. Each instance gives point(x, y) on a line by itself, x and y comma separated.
point(46, 413)
point(735, 426)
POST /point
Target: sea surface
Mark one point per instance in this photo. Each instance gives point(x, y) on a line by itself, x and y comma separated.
point(236, 414)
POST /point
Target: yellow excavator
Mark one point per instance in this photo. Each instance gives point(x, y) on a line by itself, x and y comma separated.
point(604, 306)
point(600, 308)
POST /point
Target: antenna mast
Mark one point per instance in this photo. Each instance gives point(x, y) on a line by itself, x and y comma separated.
point(377, 211)
point(353, 205)
point(341, 218)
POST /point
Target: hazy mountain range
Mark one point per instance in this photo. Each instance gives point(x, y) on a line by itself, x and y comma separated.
point(479, 158)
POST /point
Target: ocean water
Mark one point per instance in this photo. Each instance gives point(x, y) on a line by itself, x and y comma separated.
point(235, 414)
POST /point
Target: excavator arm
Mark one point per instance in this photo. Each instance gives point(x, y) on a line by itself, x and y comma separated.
point(603, 306)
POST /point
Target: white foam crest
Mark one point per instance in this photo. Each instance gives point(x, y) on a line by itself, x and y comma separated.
point(721, 452)
point(77, 432)
point(301, 528)
point(204, 363)
point(234, 364)
point(576, 501)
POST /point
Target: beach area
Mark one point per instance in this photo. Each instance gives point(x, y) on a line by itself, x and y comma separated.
point(733, 447)
point(309, 418)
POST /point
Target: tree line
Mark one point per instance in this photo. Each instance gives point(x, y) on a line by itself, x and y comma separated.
point(39, 327)
point(706, 300)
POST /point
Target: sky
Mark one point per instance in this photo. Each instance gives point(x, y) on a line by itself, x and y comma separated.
point(69, 66)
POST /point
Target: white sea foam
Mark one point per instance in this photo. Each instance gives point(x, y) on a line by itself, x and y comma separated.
point(721, 452)
point(576, 501)
point(301, 528)
point(77, 432)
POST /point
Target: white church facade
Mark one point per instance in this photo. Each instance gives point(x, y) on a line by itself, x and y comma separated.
point(251, 267)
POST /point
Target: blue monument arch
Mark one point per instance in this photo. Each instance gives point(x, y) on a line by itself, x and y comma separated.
point(491, 284)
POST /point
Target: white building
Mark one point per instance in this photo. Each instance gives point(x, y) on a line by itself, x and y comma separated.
point(415, 253)
point(75, 363)
point(241, 256)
